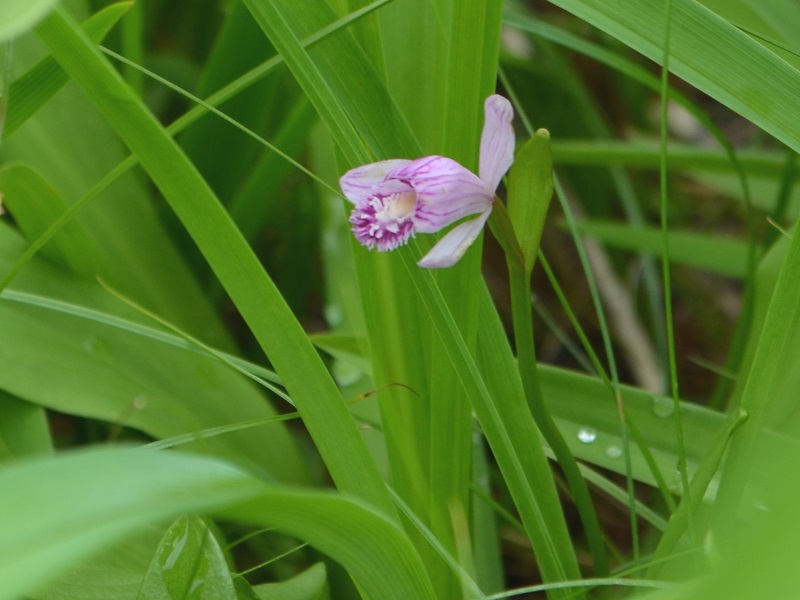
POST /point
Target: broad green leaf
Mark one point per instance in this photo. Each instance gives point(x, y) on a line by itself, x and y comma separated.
point(772, 23)
point(472, 35)
point(724, 256)
point(23, 428)
point(188, 564)
point(768, 390)
point(308, 585)
point(105, 373)
point(415, 51)
point(18, 16)
point(761, 559)
point(115, 572)
point(375, 551)
point(57, 512)
point(589, 421)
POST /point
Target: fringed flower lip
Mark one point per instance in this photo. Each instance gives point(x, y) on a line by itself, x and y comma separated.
point(395, 199)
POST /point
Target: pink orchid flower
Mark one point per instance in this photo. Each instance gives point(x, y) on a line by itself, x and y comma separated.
point(394, 199)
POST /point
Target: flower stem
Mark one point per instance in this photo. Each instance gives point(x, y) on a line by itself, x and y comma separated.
point(519, 279)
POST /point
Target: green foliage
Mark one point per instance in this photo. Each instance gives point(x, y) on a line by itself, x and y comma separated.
point(530, 188)
point(18, 16)
point(159, 286)
point(188, 563)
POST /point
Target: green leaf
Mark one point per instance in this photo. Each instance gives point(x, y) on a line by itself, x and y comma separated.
point(188, 564)
point(40, 83)
point(704, 51)
point(724, 256)
point(64, 510)
point(766, 543)
point(767, 392)
point(375, 551)
point(34, 204)
point(589, 421)
point(308, 585)
point(516, 443)
point(107, 373)
point(18, 16)
point(57, 512)
point(116, 572)
point(646, 154)
point(23, 428)
point(530, 188)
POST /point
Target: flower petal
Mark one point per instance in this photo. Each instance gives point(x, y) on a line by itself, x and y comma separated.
point(446, 192)
point(452, 247)
point(359, 184)
point(497, 141)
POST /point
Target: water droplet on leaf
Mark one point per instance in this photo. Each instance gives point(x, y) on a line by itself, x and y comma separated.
point(663, 407)
point(587, 435)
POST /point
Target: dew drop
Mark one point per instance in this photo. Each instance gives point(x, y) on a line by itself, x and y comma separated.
point(613, 452)
point(587, 435)
point(663, 407)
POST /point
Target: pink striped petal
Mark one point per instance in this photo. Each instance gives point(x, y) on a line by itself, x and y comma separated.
point(446, 192)
point(497, 141)
point(452, 247)
point(359, 184)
